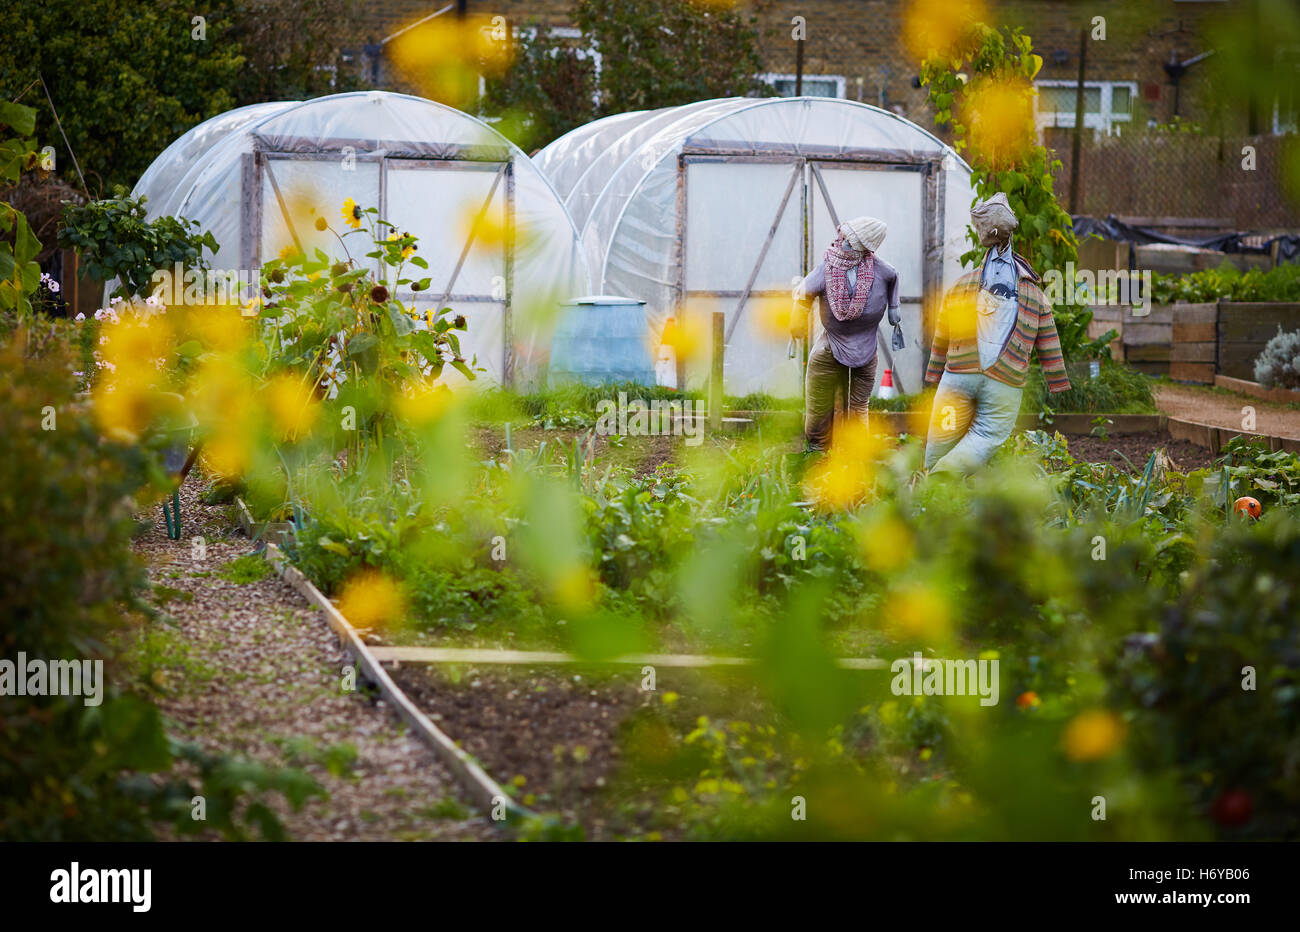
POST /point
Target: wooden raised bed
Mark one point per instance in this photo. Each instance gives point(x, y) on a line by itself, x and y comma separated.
point(1195, 342)
point(898, 422)
point(1244, 328)
point(1254, 389)
point(1144, 340)
point(1215, 438)
point(1193, 353)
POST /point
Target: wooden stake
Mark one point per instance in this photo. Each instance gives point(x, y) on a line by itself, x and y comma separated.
point(715, 378)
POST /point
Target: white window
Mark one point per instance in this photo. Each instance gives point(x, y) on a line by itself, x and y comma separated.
point(814, 85)
point(1107, 105)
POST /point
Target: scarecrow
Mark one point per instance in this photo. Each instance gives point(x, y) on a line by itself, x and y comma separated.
point(857, 288)
point(991, 320)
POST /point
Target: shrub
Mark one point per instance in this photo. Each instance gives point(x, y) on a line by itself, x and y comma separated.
point(69, 583)
point(116, 241)
point(1217, 689)
point(1279, 364)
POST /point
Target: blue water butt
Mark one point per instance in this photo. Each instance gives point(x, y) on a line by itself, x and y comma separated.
point(599, 339)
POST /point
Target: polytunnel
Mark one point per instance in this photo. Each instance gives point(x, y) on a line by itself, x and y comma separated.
point(498, 241)
point(722, 205)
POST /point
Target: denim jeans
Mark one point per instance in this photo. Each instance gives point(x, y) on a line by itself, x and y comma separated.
point(825, 388)
point(973, 415)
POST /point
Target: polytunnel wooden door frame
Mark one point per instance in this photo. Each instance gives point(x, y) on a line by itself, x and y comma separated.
point(806, 162)
point(399, 156)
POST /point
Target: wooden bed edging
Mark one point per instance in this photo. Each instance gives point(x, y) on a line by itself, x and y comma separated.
point(1254, 389)
point(475, 655)
point(1214, 438)
point(1067, 422)
point(485, 791)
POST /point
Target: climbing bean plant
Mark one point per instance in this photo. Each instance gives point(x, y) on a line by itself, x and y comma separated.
point(981, 87)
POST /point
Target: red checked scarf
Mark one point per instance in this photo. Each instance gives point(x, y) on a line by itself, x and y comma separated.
point(839, 259)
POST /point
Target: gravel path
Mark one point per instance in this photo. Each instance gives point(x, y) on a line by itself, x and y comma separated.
point(249, 668)
point(1223, 409)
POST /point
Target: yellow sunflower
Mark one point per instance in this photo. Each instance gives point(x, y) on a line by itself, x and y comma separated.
point(408, 249)
point(352, 213)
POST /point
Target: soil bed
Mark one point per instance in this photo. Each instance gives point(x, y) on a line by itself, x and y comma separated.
point(563, 740)
point(1137, 448)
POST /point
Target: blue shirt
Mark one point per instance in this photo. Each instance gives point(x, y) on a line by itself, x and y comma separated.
point(1000, 274)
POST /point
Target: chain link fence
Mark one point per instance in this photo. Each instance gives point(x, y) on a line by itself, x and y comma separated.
point(1160, 176)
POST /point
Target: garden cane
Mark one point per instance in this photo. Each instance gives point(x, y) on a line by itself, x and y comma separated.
point(172, 514)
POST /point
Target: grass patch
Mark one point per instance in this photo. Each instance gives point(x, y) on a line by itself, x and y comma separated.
point(164, 594)
point(445, 808)
point(249, 568)
point(339, 759)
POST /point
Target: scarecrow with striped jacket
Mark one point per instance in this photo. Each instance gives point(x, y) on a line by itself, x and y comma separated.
point(991, 320)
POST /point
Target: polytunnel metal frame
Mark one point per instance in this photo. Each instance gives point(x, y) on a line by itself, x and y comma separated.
point(806, 159)
point(412, 155)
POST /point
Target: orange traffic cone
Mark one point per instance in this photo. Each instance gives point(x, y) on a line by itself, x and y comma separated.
point(887, 389)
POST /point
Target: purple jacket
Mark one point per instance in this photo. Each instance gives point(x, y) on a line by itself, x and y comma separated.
point(852, 342)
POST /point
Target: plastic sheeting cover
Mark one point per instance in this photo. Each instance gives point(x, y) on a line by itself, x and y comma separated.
point(318, 157)
point(631, 234)
point(164, 175)
point(564, 159)
point(601, 168)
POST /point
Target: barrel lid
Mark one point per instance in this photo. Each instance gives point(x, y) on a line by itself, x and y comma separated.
point(603, 299)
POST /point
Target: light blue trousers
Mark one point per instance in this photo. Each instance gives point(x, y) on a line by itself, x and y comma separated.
point(973, 415)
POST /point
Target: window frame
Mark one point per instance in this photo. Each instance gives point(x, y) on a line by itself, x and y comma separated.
point(841, 82)
point(1105, 121)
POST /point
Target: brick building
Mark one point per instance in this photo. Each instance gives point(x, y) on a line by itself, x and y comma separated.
point(1147, 63)
point(854, 49)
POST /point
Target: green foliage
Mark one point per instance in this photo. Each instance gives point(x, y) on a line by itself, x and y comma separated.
point(335, 328)
point(127, 79)
point(69, 587)
point(663, 54)
point(1252, 65)
point(293, 50)
point(1251, 468)
point(19, 271)
point(1228, 283)
point(249, 568)
point(55, 525)
point(762, 401)
point(898, 403)
point(1117, 389)
point(549, 90)
point(654, 54)
point(115, 241)
point(581, 399)
point(1072, 329)
point(1216, 688)
point(1006, 156)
